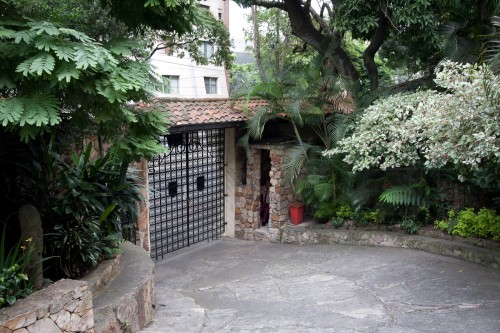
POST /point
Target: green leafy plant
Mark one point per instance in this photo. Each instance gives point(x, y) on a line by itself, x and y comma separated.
point(483, 224)
point(466, 223)
point(344, 211)
point(88, 203)
point(410, 226)
point(372, 215)
point(337, 222)
point(52, 74)
point(14, 280)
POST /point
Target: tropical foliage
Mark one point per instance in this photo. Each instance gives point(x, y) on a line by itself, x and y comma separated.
point(467, 223)
point(458, 126)
point(15, 282)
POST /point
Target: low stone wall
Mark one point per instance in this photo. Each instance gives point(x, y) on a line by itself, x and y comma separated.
point(117, 297)
point(63, 307)
point(127, 302)
point(304, 234)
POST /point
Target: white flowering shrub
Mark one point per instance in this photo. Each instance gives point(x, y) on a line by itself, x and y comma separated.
point(460, 125)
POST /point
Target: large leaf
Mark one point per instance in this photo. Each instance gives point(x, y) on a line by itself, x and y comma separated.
point(67, 72)
point(42, 62)
point(402, 195)
point(11, 110)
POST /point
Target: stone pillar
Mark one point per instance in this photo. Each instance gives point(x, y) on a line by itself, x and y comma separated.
point(248, 198)
point(143, 217)
point(230, 182)
point(280, 195)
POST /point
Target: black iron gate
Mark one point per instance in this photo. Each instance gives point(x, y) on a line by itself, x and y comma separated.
point(187, 191)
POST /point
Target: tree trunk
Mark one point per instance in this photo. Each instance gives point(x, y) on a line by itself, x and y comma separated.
point(372, 49)
point(303, 28)
point(256, 45)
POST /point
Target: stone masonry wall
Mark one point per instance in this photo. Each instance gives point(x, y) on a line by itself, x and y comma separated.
point(63, 307)
point(247, 205)
point(247, 217)
point(280, 195)
point(142, 238)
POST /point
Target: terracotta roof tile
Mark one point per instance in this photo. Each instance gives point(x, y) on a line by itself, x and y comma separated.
point(203, 111)
point(209, 111)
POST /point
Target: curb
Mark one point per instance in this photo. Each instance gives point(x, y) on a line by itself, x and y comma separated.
point(291, 234)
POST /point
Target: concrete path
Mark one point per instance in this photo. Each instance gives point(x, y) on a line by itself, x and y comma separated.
point(243, 286)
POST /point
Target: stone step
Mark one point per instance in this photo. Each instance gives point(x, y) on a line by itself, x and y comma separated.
point(126, 303)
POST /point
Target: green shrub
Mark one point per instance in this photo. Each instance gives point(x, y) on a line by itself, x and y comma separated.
point(442, 225)
point(324, 211)
point(467, 223)
point(14, 282)
point(344, 211)
point(337, 222)
point(484, 224)
point(89, 200)
point(410, 226)
point(372, 216)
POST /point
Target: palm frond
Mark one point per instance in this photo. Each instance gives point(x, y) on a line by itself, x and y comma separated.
point(459, 48)
point(338, 126)
point(493, 51)
point(294, 161)
point(257, 122)
point(324, 191)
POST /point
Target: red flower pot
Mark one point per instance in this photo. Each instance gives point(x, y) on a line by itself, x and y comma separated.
point(296, 212)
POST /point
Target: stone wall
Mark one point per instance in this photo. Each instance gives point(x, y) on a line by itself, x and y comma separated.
point(118, 297)
point(303, 234)
point(63, 307)
point(247, 196)
point(142, 238)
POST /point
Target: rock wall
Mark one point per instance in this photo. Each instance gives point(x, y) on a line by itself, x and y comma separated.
point(316, 235)
point(63, 307)
point(247, 197)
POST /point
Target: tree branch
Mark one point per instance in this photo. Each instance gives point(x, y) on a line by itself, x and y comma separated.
point(270, 4)
point(375, 44)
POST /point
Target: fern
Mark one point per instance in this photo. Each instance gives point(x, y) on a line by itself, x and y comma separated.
point(402, 195)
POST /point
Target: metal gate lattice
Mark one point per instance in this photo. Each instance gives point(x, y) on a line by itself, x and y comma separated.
point(187, 191)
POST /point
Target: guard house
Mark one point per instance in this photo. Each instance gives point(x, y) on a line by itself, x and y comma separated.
point(207, 186)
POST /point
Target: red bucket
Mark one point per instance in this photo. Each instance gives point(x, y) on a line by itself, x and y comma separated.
point(296, 212)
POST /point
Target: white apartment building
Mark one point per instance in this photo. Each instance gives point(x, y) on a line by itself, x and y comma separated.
point(186, 78)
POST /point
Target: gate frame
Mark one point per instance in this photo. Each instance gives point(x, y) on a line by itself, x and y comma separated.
point(143, 225)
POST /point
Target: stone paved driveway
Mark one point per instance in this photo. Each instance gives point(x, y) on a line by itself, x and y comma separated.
point(243, 286)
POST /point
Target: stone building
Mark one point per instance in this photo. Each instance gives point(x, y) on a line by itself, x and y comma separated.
point(208, 186)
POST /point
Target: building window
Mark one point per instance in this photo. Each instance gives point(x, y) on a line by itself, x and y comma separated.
point(207, 49)
point(211, 85)
point(171, 84)
point(220, 16)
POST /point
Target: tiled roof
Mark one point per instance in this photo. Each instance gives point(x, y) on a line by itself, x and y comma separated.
point(187, 112)
point(183, 112)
